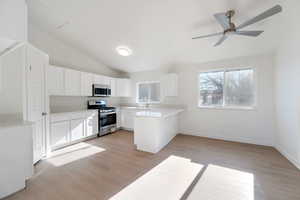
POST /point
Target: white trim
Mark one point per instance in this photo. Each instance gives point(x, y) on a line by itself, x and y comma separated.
point(288, 156)
point(223, 106)
point(247, 140)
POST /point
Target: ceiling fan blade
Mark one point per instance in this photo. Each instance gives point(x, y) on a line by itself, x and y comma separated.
point(223, 20)
point(206, 36)
point(264, 15)
point(223, 38)
point(249, 33)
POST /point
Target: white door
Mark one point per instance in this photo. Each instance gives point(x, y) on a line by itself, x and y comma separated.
point(36, 65)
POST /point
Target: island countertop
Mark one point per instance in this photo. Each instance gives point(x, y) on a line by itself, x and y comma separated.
point(159, 112)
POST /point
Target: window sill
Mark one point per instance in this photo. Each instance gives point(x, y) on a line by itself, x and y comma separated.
point(228, 108)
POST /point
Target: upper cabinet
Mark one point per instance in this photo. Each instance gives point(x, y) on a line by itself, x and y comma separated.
point(101, 80)
point(68, 82)
point(169, 85)
point(87, 81)
point(72, 82)
point(123, 87)
point(55, 80)
point(113, 87)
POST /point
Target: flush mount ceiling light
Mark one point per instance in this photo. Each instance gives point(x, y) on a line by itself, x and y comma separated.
point(124, 51)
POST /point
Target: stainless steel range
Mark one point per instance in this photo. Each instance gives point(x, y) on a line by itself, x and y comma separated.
point(107, 116)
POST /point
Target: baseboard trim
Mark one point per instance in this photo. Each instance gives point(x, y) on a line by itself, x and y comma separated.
point(230, 139)
point(288, 156)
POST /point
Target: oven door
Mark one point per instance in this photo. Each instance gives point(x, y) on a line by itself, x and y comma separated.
point(107, 119)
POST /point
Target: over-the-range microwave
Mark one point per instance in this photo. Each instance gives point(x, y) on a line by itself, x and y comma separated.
point(101, 90)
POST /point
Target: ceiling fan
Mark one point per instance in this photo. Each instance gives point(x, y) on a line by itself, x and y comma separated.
point(225, 20)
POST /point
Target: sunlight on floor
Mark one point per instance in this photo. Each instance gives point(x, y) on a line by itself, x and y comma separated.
point(168, 180)
point(73, 153)
point(221, 183)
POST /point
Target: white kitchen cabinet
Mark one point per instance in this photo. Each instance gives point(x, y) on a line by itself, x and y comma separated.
point(55, 80)
point(87, 80)
point(123, 87)
point(77, 129)
point(113, 87)
point(91, 123)
point(101, 80)
point(127, 119)
point(169, 85)
point(69, 127)
point(72, 82)
point(119, 117)
point(59, 133)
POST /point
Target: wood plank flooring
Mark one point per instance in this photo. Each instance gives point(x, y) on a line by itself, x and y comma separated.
point(102, 167)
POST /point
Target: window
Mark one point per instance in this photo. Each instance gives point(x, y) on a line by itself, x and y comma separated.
point(227, 88)
point(148, 92)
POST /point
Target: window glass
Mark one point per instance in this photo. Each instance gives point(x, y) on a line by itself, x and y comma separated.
point(211, 88)
point(148, 92)
point(228, 88)
point(239, 88)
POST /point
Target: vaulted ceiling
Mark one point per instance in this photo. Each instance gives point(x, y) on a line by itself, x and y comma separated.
point(159, 32)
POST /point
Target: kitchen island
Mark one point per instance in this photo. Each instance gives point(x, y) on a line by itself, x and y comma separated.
point(155, 128)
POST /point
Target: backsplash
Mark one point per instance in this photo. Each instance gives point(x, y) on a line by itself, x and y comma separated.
point(73, 103)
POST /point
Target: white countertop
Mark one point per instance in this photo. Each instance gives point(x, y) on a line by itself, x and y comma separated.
point(73, 111)
point(159, 112)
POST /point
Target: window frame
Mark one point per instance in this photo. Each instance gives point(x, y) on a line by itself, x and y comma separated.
point(224, 106)
point(147, 82)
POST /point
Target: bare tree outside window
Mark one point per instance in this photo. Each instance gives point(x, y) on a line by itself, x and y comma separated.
point(231, 88)
point(211, 88)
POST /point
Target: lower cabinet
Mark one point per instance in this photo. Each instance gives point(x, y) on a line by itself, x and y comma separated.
point(127, 119)
point(77, 129)
point(67, 128)
point(59, 133)
point(92, 124)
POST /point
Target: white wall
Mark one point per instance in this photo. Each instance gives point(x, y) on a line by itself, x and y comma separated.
point(287, 79)
point(62, 54)
point(256, 126)
point(12, 65)
point(13, 19)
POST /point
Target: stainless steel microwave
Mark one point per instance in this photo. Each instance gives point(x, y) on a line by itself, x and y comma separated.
point(101, 90)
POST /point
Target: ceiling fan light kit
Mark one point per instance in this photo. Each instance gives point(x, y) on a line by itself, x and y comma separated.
point(225, 20)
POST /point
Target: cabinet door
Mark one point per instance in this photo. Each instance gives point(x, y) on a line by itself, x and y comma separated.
point(113, 87)
point(87, 84)
point(123, 87)
point(77, 129)
point(55, 80)
point(127, 120)
point(92, 124)
point(72, 82)
point(119, 118)
point(59, 133)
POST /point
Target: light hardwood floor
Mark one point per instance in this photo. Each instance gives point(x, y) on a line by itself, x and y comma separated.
point(102, 167)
